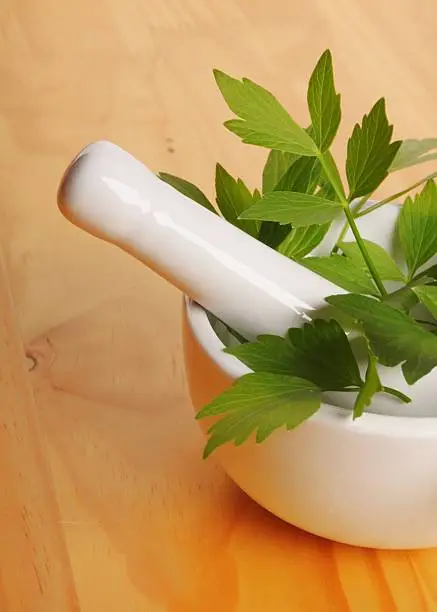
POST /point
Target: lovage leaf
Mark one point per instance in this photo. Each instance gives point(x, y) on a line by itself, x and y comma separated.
point(318, 352)
point(260, 403)
point(275, 167)
point(269, 353)
point(273, 234)
point(326, 190)
point(187, 189)
point(412, 152)
point(303, 176)
point(394, 336)
point(270, 233)
point(383, 262)
point(233, 197)
point(322, 354)
point(323, 103)
point(372, 385)
point(263, 121)
point(299, 209)
point(417, 227)
point(427, 294)
point(370, 152)
point(343, 272)
point(302, 240)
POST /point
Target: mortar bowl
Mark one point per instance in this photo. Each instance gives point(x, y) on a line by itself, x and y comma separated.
point(371, 482)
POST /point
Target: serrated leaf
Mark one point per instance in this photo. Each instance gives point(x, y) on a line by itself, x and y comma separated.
point(372, 385)
point(394, 336)
point(413, 152)
point(326, 190)
point(269, 353)
point(323, 103)
point(370, 152)
point(318, 352)
point(187, 189)
point(233, 197)
point(263, 121)
point(417, 228)
point(302, 240)
point(428, 296)
point(384, 264)
point(260, 403)
point(276, 166)
point(343, 272)
point(256, 195)
point(273, 234)
point(322, 354)
point(299, 209)
point(303, 176)
point(270, 233)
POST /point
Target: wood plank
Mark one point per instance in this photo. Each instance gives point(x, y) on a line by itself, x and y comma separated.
point(148, 524)
point(34, 566)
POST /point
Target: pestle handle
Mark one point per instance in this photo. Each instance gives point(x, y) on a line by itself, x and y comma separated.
point(254, 289)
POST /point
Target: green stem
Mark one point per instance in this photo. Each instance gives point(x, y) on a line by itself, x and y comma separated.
point(359, 205)
point(328, 165)
point(355, 209)
point(331, 172)
point(395, 196)
point(388, 390)
point(401, 396)
point(371, 266)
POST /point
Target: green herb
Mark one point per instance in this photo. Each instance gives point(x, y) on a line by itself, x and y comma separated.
point(319, 352)
point(302, 175)
point(303, 195)
point(324, 103)
point(233, 197)
point(428, 296)
point(273, 234)
point(263, 120)
point(270, 354)
point(370, 152)
point(342, 271)
point(259, 403)
point(187, 189)
point(387, 269)
point(276, 166)
point(302, 240)
point(394, 336)
point(299, 209)
point(417, 228)
point(413, 152)
point(372, 385)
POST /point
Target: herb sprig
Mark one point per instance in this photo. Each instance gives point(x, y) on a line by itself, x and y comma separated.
point(302, 193)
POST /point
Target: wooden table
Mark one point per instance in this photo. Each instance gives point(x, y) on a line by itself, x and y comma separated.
point(105, 503)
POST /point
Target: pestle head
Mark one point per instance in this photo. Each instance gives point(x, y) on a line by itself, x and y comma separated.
point(254, 289)
point(97, 192)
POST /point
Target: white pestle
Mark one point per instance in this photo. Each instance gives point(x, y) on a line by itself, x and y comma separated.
point(246, 284)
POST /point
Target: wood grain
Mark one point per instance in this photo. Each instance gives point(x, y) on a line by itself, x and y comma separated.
point(105, 502)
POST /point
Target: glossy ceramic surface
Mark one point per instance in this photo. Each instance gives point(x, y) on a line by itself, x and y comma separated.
point(370, 482)
point(253, 288)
